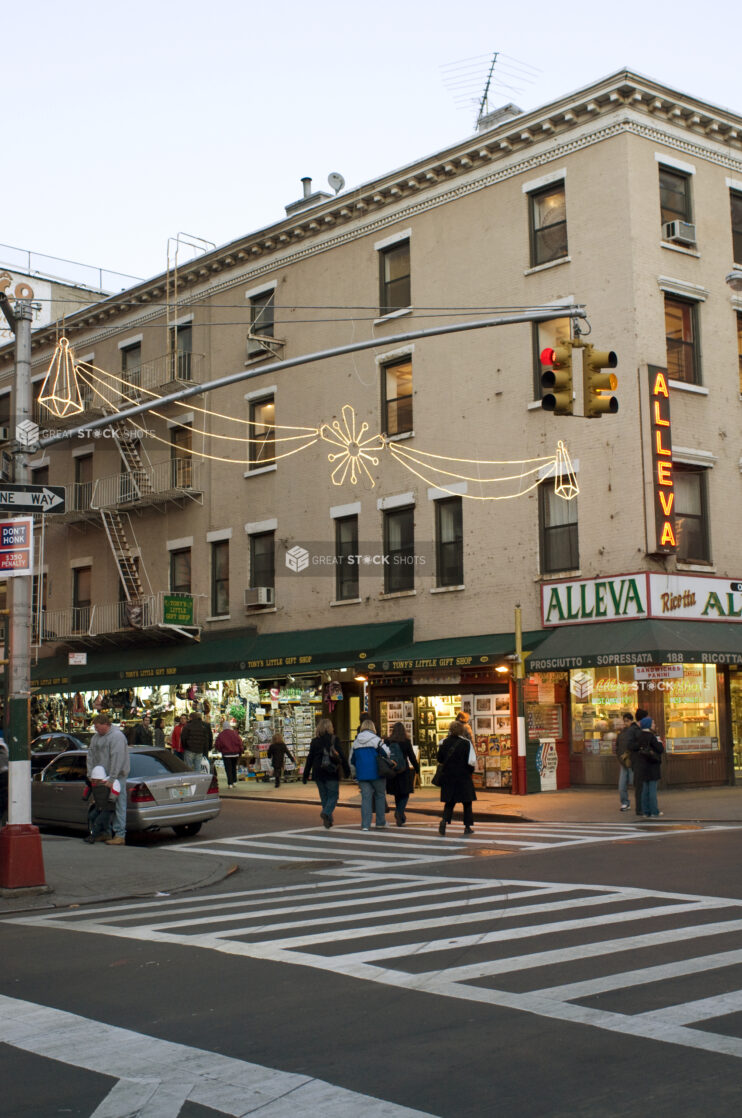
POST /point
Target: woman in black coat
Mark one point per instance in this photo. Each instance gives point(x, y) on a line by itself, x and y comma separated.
point(323, 764)
point(646, 758)
point(403, 782)
point(455, 755)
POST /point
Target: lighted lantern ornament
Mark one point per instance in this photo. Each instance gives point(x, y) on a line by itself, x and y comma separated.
point(60, 393)
point(356, 451)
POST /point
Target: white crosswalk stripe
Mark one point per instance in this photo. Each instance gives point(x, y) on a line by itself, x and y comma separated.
point(586, 954)
point(419, 844)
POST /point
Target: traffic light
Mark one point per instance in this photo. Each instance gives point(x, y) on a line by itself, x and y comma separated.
point(558, 379)
point(596, 383)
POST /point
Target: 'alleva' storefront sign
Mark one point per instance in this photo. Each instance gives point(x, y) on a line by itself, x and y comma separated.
point(628, 597)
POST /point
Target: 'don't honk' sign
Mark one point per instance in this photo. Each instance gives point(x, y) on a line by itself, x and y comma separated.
point(16, 547)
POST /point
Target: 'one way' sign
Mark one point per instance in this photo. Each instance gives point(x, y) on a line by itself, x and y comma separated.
point(32, 498)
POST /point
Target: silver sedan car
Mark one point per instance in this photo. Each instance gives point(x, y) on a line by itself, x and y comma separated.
point(161, 792)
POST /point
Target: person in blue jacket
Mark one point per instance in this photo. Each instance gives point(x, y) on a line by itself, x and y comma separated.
point(373, 787)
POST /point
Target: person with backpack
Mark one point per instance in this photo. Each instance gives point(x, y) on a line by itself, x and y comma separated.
point(278, 751)
point(365, 760)
point(324, 761)
point(402, 783)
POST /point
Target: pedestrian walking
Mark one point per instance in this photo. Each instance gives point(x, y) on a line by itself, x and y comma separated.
point(108, 747)
point(229, 744)
point(324, 761)
point(373, 787)
point(457, 760)
point(647, 753)
point(278, 751)
point(175, 736)
point(624, 756)
point(143, 734)
point(159, 733)
point(196, 739)
point(102, 805)
point(402, 783)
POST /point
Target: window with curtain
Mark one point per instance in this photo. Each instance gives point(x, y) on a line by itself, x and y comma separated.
point(558, 530)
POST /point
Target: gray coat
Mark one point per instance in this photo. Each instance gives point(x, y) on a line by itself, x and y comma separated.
point(111, 750)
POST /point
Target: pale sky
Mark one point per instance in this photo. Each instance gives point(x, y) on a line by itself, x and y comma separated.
point(125, 124)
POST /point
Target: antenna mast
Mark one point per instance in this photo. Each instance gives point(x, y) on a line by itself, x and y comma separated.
point(483, 104)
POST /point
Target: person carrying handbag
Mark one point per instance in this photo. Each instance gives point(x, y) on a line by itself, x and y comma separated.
point(324, 762)
point(458, 761)
point(364, 759)
point(402, 781)
point(646, 754)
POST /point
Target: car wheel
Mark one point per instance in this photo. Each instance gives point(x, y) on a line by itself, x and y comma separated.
point(187, 830)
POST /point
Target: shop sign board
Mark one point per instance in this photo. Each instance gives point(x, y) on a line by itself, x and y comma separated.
point(645, 594)
point(658, 671)
point(177, 609)
point(78, 658)
point(16, 547)
point(663, 482)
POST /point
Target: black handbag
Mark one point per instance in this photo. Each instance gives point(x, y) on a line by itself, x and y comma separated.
point(385, 763)
point(437, 777)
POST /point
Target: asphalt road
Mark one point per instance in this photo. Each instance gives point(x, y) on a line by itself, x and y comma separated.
point(536, 970)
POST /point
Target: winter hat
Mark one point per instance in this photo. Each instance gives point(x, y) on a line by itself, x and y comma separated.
point(98, 773)
point(115, 788)
point(646, 723)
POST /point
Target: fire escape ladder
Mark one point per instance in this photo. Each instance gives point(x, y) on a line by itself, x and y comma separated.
point(123, 543)
point(135, 458)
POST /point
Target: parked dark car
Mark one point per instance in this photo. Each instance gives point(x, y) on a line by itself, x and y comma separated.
point(47, 746)
point(161, 792)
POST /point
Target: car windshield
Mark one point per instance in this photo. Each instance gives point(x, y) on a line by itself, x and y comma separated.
point(155, 762)
point(56, 743)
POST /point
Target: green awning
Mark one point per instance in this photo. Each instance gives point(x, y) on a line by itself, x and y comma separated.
point(236, 655)
point(651, 641)
point(453, 652)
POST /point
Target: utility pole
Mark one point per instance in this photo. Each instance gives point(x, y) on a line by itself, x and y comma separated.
point(21, 859)
point(520, 708)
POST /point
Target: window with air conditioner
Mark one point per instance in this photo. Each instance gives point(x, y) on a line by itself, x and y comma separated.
point(262, 569)
point(676, 210)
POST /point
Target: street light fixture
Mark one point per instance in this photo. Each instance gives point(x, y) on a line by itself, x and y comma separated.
point(734, 280)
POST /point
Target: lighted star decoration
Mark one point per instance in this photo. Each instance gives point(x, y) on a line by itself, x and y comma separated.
point(355, 451)
point(60, 392)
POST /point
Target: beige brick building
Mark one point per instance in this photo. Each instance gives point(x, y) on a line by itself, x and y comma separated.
point(625, 198)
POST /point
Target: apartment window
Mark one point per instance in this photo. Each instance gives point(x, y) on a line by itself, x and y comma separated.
point(181, 351)
point(548, 224)
point(675, 199)
point(83, 482)
point(691, 514)
point(557, 530)
point(5, 415)
point(735, 200)
point(396, 387)
point(681, 331)
point(262, 447)
point(399, 550)
point(131, 364)
point(263, 559)
point(394, 277)
point(739, 349)
point(180, 571)
point(346, 569)
point(40, 476)
point(449, 542)
point(262, 322)
point(82, 578)
point(181, 459)
point(547, 335)
point(220, 578)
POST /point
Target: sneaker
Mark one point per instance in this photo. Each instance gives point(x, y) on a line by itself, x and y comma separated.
point(365, 828)
point(89, 838)
point(442, 827)
point(380, 826)
point(624, 807)
point(117, 840)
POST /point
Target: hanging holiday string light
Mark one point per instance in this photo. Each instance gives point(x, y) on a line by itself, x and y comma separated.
point(353, 458)
point(60, 392)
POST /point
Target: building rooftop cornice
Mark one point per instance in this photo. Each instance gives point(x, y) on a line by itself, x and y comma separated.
point(623, 92)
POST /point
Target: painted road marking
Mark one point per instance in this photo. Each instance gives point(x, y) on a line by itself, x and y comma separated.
point(168, 1075)
point(385, 931)
point(419, 844)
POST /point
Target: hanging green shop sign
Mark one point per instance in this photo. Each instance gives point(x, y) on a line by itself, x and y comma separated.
point(177, 609)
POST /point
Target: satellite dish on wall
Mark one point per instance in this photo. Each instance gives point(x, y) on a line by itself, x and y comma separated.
point(336, 181)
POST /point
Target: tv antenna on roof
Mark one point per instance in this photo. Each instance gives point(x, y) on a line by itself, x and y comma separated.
point(497, 71)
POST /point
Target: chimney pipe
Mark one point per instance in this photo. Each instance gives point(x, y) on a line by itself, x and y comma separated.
point(307, 184)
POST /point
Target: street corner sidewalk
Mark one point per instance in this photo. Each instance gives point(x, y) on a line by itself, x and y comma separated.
point(78, 873)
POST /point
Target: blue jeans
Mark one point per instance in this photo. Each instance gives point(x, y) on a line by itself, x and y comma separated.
point(373, 793)
point(649, 798)
point(329, 790)
point(119, 812)
point(625, 778)
point(193, 760)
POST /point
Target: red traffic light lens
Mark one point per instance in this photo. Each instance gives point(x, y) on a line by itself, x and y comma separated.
point(547, 356)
